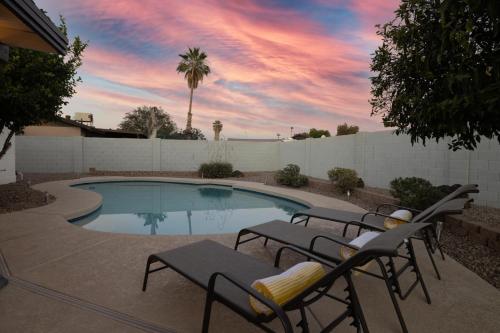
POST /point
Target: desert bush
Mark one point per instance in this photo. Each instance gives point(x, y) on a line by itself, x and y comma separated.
point(416, 192)
point(290, 176)
point(237, 173)
point(344, 179)
point(215, 170)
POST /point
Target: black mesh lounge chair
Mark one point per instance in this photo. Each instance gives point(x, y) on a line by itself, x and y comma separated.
point(227, 276)
point(327, 245)
point(375, 220)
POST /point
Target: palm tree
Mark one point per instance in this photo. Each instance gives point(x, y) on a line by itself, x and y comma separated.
point(194, 68)
point(217, 126)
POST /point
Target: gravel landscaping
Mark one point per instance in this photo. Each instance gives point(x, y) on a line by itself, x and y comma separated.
point(20, 196)
point(480, 259)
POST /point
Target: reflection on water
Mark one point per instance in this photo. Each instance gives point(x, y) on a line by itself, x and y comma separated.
point(168, 208)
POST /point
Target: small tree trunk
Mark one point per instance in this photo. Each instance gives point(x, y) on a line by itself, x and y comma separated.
point(6, 145)
point(190, 115)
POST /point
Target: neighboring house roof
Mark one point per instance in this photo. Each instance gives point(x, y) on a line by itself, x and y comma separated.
point(42, 34)
point(103, 132)
point(254, 140)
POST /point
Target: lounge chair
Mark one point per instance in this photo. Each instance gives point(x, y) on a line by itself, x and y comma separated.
point(375, 220)
point(328, 245)
point(227, 276)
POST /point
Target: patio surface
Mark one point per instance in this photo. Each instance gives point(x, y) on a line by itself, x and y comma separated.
point(64, 278)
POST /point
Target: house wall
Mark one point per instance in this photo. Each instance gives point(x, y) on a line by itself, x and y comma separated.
point(46, 130)
point(378, 158)
point(8, 161)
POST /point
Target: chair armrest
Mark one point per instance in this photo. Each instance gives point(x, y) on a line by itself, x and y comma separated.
point(280, 313)
point(413, 210)
point(313, 241)
point(306, 254)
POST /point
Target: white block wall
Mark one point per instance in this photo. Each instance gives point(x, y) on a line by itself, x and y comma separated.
point(378, 158)
point(8, 161)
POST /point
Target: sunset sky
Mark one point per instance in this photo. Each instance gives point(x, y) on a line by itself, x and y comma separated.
point(275, 64)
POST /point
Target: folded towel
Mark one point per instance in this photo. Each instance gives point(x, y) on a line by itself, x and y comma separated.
point(397, 218)
point(358, 242)
point(285, 286)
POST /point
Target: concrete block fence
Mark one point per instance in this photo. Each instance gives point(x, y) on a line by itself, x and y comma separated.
point(378, 157)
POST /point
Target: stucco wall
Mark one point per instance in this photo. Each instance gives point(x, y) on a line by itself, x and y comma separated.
point(52, 131)
point(378, 157)
point(8, 161)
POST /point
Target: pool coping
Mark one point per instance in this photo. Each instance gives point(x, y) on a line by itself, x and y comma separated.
point(72, 202)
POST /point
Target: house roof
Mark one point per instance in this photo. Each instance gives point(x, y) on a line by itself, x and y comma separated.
point(254, 140)
point(99, 131)
point(24, 25)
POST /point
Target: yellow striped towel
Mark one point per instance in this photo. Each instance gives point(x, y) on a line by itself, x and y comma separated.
point(285, 286)
point(401, 216)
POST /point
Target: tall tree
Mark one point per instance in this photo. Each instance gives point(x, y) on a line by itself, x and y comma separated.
point(35, 85)
point(438, 71)
point(194, 67)
point(140, 120)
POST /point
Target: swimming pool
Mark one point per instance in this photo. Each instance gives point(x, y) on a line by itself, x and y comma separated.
point(162, 208)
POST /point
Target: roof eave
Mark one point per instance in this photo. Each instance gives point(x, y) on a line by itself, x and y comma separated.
point(32, 16)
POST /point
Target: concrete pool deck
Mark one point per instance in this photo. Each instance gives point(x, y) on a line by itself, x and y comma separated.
point(65, 278)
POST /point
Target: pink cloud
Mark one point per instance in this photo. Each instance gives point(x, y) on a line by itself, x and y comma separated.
point(272, 67)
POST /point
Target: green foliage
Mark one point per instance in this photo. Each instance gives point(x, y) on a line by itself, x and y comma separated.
point(344, 179)
point(415, 192)
point(318, 133)
point(300, 136)
point(139, 120)
point(438, 71)
point(193, 66)
point(193, 134)
point(237, 174)
point(34, 85)
point(290, 176)
point(215, 170)
point(345, 129)
point(360, 183)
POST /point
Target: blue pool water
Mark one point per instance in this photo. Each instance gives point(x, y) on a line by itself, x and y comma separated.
point(159, 208)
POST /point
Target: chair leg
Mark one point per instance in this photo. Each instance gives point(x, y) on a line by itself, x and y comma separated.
point(307, 221)
point(265, 241)
point(303, 321)
point(413, 258)
point(438, 243)
point(207, 313)
point(146, 274)
point(359, 317)
point(431, 256)
point(393, 296)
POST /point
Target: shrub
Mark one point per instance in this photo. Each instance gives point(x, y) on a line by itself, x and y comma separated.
point(290, 176)
point(215, 170)
point(416, 192)
point(237, 173)
point(318, 133)
point(344, 179)
point(345, 129)
point(360, 183)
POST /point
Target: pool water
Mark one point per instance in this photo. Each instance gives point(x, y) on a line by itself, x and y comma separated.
point(160, 208)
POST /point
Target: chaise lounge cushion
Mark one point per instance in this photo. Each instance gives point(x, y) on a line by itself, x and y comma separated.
point(285, 286)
